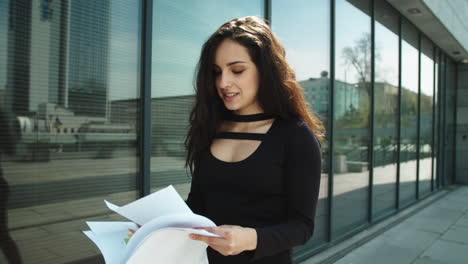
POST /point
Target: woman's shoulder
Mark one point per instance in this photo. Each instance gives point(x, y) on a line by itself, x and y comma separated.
point(295, 125)
point(297, 130)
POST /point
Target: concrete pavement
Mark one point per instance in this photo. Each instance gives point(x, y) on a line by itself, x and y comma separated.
point(435, 231)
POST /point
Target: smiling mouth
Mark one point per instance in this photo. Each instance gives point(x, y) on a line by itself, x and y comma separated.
point(229, 96)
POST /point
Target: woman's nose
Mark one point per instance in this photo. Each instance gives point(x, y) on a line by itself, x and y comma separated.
point(224, 80)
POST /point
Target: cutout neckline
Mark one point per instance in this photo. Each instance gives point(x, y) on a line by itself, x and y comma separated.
point(249, 118)
point(242, 135)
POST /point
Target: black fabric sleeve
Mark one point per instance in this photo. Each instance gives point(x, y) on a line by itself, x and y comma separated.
point(302, 179)
point(195, 198)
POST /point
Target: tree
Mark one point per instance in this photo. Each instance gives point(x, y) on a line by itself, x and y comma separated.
point(359, 56)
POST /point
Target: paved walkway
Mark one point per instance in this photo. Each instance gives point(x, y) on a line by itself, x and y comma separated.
point(436, 234)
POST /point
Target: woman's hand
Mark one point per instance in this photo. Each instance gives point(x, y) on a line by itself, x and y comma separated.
point(233, 240)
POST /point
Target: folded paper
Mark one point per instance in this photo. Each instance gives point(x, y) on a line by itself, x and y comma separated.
point(165, 223)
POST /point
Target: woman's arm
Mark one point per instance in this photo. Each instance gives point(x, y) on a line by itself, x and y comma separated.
point(195, 198)
point(302, 179)
point(232, 241)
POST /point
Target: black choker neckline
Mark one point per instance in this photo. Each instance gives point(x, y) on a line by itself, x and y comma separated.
point(249, 118)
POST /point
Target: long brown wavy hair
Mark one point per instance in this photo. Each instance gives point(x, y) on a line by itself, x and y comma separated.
point(279, 93)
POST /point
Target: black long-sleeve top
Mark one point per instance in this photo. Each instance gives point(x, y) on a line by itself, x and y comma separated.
point(274, 190)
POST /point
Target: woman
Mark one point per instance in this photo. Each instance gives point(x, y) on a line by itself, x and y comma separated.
point(253, 148)
point(7, 146)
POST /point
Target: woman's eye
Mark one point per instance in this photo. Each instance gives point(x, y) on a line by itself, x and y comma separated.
point(238, 72)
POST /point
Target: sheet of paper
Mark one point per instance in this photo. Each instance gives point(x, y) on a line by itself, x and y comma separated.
point(180, 221)
point(170, 246)
point(195, 231)
point(110, 238)
point(163, 202)
point(110, 226)
point(166, 222)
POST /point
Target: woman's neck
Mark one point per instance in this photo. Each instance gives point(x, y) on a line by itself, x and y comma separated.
point(249, 117)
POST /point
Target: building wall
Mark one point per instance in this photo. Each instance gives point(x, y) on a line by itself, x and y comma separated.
point(71, 73)
point(452, 14)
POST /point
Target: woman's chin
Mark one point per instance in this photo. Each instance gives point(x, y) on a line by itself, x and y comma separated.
point(231, 107)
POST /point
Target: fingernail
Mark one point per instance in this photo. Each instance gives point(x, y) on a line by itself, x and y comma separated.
point(192, 236)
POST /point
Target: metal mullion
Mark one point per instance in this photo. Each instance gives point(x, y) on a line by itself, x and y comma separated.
point(445, 117)
point(454, 159)
point(331, 120)
point(372, 109)
point(437, 128)
point(444, 121)
point(267, 13)
point(433, 114)
point(145, 81)
point(397, 193)
point(440, 122)
point(418, 126)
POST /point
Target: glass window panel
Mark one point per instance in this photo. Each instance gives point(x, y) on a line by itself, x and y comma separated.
point(308, 52)
point(409, 113)
point(442, 120)
point(386, 108)
point(180, 28)
point(66, 72)
point(449, 127)
point(426, 118)
point(351, 115)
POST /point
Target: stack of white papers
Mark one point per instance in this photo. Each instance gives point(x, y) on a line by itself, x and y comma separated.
point(159, 232)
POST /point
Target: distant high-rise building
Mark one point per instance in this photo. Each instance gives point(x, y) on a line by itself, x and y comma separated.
point(36, 49)
point(88, 57)
point(58, 53)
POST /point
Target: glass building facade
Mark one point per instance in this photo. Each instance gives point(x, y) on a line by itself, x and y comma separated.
point(99, 94)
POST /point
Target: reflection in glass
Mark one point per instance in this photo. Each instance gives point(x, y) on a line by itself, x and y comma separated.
point(409, 114)
point(386, 109)
point(425, 140)
point(70, 69)
point(351, 115)
point(450, 122)
point(308, 52)
point(179, 30)
point(440, 118)
point(441, 159)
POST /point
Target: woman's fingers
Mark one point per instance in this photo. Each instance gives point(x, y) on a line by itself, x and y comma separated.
point(207, 239)
point(232, 240)
point(222, 231)
point(222, 245)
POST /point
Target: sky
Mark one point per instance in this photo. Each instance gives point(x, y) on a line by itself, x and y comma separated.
point(307, 46)
point(180, 28)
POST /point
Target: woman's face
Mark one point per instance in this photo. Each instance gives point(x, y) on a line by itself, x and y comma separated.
point(237, 78)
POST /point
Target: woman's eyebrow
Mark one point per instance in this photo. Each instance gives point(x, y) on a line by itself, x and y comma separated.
point(230, 63)
point(234, 62)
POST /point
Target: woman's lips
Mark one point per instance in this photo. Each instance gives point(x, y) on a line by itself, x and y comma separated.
point(229, 97)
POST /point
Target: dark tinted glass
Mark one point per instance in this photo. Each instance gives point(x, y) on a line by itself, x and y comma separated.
point(68, 72)
point(426, 118)
point(180, 28)
point(409, 113)
point(351, 115)
point(386, 108)
point(308, 52)
point(450, 124)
